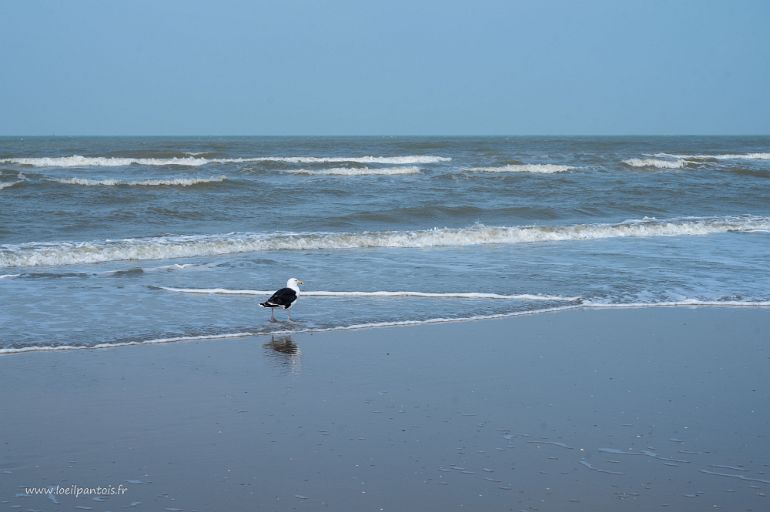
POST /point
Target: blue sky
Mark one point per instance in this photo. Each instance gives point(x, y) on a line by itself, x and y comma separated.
point(175, 67)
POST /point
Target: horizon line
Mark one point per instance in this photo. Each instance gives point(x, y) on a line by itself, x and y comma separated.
point(342, 135)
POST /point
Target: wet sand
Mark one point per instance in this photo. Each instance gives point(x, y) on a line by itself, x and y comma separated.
point(638, 409)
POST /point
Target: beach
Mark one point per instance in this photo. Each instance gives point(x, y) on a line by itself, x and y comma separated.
point(583, 409)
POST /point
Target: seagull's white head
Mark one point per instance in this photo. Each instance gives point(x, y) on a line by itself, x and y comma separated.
point(294, 283)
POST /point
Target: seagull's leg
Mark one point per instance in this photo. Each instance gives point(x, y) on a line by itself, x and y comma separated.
point(272, 314)
point(288, 311)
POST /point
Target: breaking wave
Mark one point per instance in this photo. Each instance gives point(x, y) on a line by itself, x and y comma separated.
point(20, 178)
point(9, 184)
point(193, 161)
point(657, 163)
point(178, 246)
point(356, 171)
point(532, 168)
point(171, 182)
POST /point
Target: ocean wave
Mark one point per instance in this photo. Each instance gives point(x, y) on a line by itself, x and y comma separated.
point(177, 246)
point(124, 272)
point(102, 161)
point(378, 294)
point(395, 160)
point(9, 184)
point(356, 171)
point(163, 268)
point(531, 168)
point(657, 163)
point(193, 161)
point(726, 156)
point(170, 182)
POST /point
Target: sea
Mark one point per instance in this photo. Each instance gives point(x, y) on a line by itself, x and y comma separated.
point(108, 241)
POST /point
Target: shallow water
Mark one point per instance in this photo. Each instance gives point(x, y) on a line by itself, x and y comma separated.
point(123, 240)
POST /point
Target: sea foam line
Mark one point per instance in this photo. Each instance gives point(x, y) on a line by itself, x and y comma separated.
point(178, 246)
point(679, 303)
point(318, 293)
point(530, 168)
point(181, 182)
point(356, 171)
point(102, 161)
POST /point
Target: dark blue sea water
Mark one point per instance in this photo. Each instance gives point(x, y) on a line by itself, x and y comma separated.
point(123, 240)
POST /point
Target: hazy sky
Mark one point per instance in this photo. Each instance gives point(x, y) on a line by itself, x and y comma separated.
point(384, 67)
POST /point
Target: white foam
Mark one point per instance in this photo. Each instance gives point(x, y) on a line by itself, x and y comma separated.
point(193, 161)
point(317, 293)
point(180, 182)
point(726, 156)
point(356, 171)
point(9, 276)
point(180, 246)
point(102, 161)
point(396, 160)
point(654, 162)
point(531, 168)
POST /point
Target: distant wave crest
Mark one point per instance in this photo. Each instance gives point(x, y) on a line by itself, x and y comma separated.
point(676, 161)
point(655, 162)
point(102, 161)
point(727, 156)
point(531, 168)
point(171, 182)
point(64, 253)
point(356, 171)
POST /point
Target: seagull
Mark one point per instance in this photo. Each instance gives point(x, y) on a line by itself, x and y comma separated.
point(283, 298)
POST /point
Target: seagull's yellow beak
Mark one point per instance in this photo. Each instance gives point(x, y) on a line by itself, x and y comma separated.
point(299, 281)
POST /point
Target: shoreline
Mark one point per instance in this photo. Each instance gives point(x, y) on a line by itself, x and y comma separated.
point(4, 352)
point(633, 409)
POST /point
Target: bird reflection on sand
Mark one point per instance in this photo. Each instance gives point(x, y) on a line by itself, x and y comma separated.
point(284, 353)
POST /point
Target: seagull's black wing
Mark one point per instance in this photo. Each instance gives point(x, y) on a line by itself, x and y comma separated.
point(283, 298)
